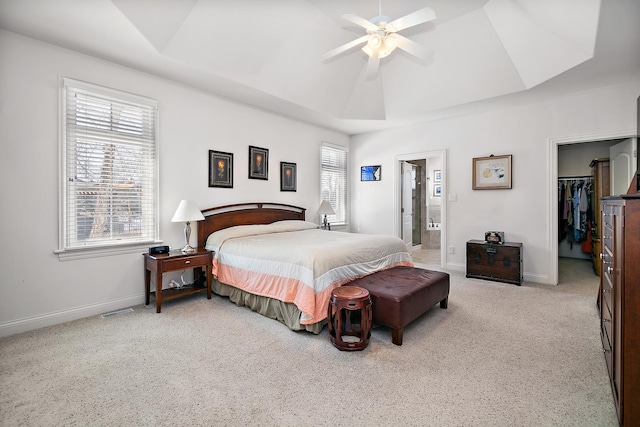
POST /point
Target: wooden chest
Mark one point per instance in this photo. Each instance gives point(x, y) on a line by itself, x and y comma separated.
point(499, 262)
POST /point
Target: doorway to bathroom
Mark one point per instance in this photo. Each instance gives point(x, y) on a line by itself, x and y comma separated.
point(421, 210)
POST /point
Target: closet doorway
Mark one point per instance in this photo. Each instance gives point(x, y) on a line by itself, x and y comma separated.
point(583, 175)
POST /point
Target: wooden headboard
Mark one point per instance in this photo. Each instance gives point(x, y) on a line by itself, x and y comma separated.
point(244, 214)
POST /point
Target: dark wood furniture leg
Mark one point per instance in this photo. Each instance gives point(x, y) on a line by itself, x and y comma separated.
point(158, 292)
point(396, 336)
point(208, 278)
point(147, 286)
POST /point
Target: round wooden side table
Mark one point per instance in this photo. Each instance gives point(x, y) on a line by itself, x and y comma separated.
point(349, 318)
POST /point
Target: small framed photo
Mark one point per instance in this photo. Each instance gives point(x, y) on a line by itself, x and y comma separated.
point(258, 163)
point(437, 176)
point(288, 176)
point(220, 169)
point(437, 190)
point(371, 173)
point(492, 173)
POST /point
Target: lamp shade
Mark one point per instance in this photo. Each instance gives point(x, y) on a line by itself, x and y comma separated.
point(325, 208)
point(187, 212)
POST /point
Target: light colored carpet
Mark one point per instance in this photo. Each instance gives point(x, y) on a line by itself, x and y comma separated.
point(500, 355)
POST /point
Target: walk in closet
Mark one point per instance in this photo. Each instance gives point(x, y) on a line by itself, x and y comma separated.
point(584, 178)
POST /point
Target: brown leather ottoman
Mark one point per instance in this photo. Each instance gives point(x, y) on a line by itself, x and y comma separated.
point(400, 295)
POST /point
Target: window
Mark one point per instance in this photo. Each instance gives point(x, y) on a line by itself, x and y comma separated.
point(108, 160)
point(334, 181)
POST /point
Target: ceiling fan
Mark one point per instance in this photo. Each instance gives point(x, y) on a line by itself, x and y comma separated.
point(382, 37)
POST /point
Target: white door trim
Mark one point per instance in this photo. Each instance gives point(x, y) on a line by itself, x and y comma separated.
point(399, 158)
point(552, 204)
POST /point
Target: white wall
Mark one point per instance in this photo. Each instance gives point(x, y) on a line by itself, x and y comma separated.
point(36, 289)
point(574, 159)
point(523, 212)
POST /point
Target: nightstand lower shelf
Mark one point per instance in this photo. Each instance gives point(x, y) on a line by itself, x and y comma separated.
point(173, 293)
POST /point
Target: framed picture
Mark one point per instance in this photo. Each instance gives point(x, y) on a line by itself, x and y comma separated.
point(437, 190)
point(371, 173)
point(220, 169)
point(437, 176)
point(258, 163)
point(492, 173)
point(288, 176)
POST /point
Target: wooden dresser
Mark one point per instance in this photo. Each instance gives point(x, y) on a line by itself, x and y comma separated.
point(499, 262)
point(601, 188)
point(620, 302)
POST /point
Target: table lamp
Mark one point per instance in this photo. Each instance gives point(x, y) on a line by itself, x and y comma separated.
point(325, 209)
point(187, 212)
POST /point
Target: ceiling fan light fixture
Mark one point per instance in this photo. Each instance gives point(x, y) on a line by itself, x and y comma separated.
point(389, 44)
point(370, 52)
point(383, 53)
point(375, 41)
point(383, 49)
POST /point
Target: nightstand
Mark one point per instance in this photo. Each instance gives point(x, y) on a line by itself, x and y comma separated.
point(174, 261)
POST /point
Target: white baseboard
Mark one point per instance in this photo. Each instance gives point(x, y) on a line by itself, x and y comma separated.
point(456, 267)
point(527, 277)
point(537, 278)
point(36, 322)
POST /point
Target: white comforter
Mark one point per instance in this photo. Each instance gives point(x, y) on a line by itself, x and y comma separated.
point(294, 261)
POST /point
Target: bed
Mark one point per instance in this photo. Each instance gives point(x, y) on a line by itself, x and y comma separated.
point(268, 258)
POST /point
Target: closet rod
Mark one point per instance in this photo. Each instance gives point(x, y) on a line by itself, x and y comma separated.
point(574, 178)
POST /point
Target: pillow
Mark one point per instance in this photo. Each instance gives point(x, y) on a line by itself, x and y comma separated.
point(292, 225)
point(217, 238)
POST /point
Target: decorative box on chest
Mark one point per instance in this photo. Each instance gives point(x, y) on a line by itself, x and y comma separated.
point(501, 262)
point(494, 237)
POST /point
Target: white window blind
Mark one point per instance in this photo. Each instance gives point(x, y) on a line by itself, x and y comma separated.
point(109, 164)
point(334, 182)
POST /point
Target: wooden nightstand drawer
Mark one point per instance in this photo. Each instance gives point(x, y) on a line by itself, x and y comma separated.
point(184, 263)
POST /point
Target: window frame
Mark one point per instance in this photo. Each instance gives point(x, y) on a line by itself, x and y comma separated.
point(109, 246)
point(335, 220)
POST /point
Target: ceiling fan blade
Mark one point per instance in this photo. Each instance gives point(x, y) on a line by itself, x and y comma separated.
point(410, 46)
point(360, 22)
point(372, 68)
point(418, 17)
point(344, 47)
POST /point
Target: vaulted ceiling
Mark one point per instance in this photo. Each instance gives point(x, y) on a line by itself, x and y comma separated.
point(269, 53)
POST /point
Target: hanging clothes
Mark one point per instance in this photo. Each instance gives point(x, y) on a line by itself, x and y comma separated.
point(575, 214)
point(569, 203)
point(562, 211)
point(582, 206)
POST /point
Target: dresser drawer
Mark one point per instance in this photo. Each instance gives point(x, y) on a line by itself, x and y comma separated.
point(607, 292)
point(608, 356)
point(607, 319)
